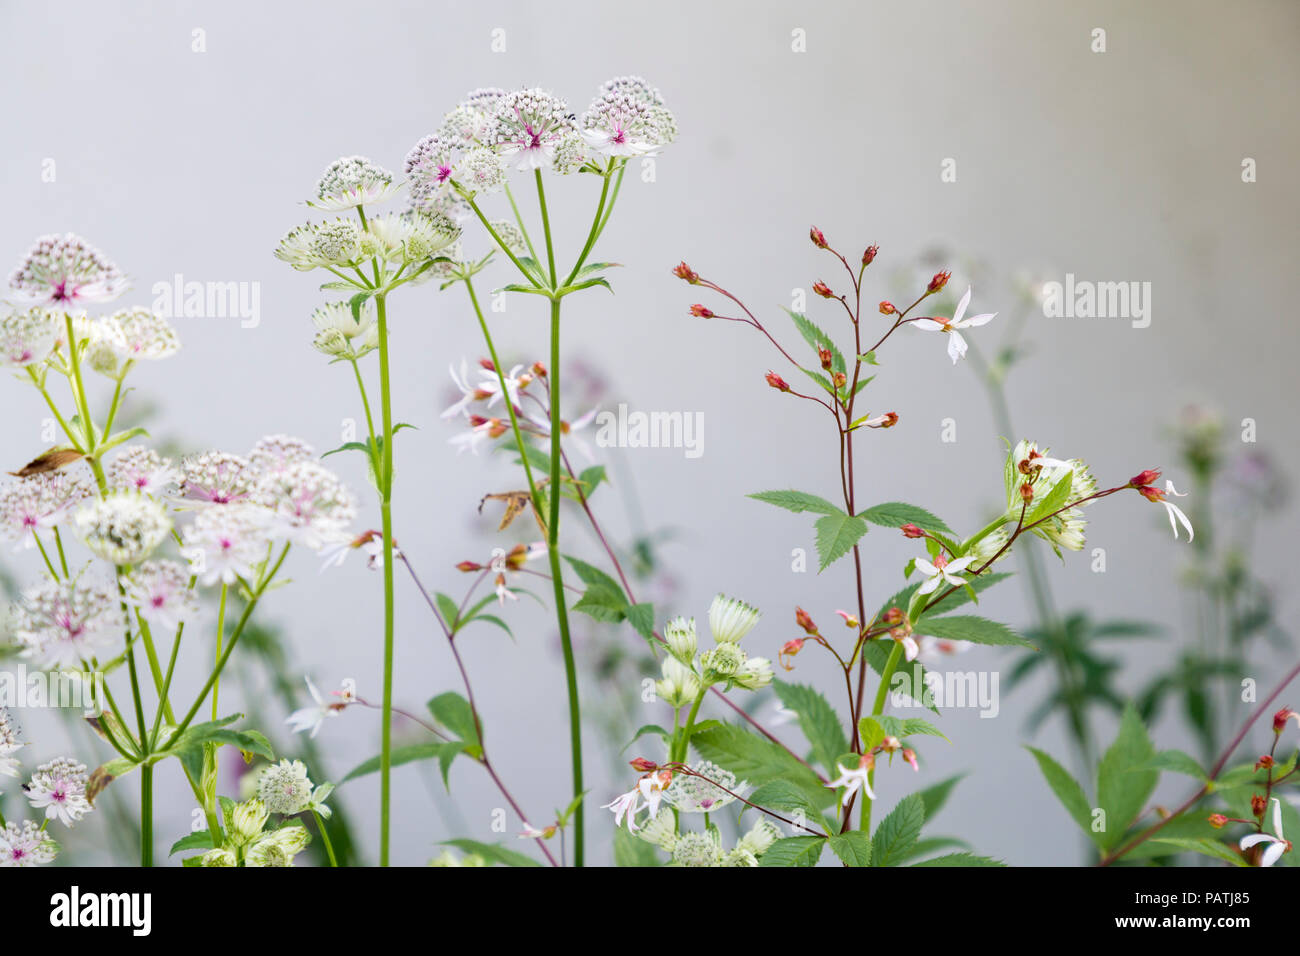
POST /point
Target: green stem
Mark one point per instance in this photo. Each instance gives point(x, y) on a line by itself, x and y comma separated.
point(83, 407)
point(385, 477)
point(146, 814)
point(682, 743)
point(519, 220)
point(593, 233)
point(221, 632)
point(325, 838)
point(878, 708)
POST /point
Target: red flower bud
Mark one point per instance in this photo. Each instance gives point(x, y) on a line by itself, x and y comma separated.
point(469, 566)
point(893, 616)
point(1151, 493)
point(1218, 821)
point(909, 756)
point(1281, 717)
point(1258, 804)
point(683, 271)
point(869, 256)
point(804, 620)
point(539, 370)
point(938, 282)
point(1148, 477)
point(823, 290)
point(891, 419)
point(825, 356)
point(1264, 762)
point(912, 531)
point(790, 649)
point(643, 765)
point(817, 238)
point(887, 308)
point(700, 312)
point(777, 382)
point(487, 364)
point(1026, 492)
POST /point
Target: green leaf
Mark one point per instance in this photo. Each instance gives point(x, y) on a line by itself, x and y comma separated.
point(797, 501)
point(852, 847)
point(1178, 762)
point(936, 795)
point(198, 840)
point(909, 727)
point(455, 713)
point(1067, 790)
point(1123, 785)
point(977, 630)
point(895, 514)
point(818, 339)
point(794, 851)
point(642, 619)
point(649, 729)
point(631, 850)
point(758, 760)
point(961, 859)
point(1057, 497)
point(877, 654)
point(871, 732)
point(492, 852)
point(604, 599)
point(957, 599)
point(408, 754)
point(781, 795)
point(836, 534)
point(1205, 847)
point(591, 478)
point(898, 831)
point(817, 719)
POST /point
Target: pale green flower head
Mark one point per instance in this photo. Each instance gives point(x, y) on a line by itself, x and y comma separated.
point(679, 634)
point(760, 837)
point(1027, 464)
point(731, 619)
point(285, 787)
point(340, 335)
point(698, 849)
point(723, 661)
point(123, 528)
point(709, 792)
point(220, 857)
point(754, 674)
point(661, 830)
point(246, 821)
point(680, 685)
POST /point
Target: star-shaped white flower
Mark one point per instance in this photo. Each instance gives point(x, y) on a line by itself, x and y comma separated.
point(956, 344)
point(941, 571)
point(1277, 845)
point(854, 779)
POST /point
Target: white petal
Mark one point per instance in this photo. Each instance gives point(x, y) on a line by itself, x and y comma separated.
point(977, 320)
point(910, 648)
point(1272, 854)
point(1247, 842)
point(956, 346)
point(1175, 511)
point(961, 307)
point(925, 567)
point(1277, 818)
point(930, 584)
point(961, 564)
point(927, 325)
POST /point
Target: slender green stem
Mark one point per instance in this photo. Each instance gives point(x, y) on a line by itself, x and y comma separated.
point(40, 547)
point(546, 226)
point(365, 403)
point(385, 481)
point(146, 814)
point(58, 415)
point(878, 708)
point(117, 399)
point(595, 231)
point(519, 220)
point(325, 838)
point(221, 633)
point(83, 407)
point(682, 742)
point(63, 558)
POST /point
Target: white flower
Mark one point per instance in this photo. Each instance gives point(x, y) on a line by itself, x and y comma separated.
point(26, 845)
point(143, 334)
point(1176, 515)
point(161, 592)
point(285, 787)
point(679, 635)
point(308, 504)
point(527, 126)
point(731, 619)
point(481, 430)
point(63, 623)
point(541, 424)
point(311, 718)
point(680, 684)
point(431, 166)
point(488, 390)
point(956, 344)
point(217, 477)
point(706, 793)
point(754, 674)
point(661, 830)
point(469, 123)
point(9, 745)
point(698, 849)
point(275, 453)
point(27, 338)
point(413, 236)
point(340, 335)
point(41, 501)
point(481, 170)
point(227, 543)
point(760, 837)
point(123, 528)
point(369, 543)
point(854, 779)
point(621, 123)
point(933, 649)
point(1277, 845)
point(352, 181)
point(142, 469)
point(647, 794)
point(941, 571)
point(59, 788)
point(66, 271)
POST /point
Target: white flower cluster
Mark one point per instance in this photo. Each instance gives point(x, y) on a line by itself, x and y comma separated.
point(1029, 465)
point(57, 787)
point(705, 848)
point(687, 672)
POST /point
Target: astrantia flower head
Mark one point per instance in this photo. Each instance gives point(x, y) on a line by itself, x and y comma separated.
point(217, 477)
point(571, 153)
point(528, 125)
point(470, 121)
point(160, 591)
point(10, 744)
point(298, 248)
point(481, 170)
point(692, 794)
point(510, 236)
point(619, 123)
point(123, 528)
point(431, 164)
point(276, 452)
point(722, 661)
point(352, 181)
point(66, 271)
point(27, 338)
point(245, 821)
point(142, 469)
point(754, 674)
point(145, 334)
point(338, 242)
point(227, 543)
point(698, 849)
point(26, 844)
point(680, 684)
point(278, 847)
point(341, 335)
point(731, 619)
point(37, 502)
point(64, 623)
point(634, 87)
point(413, 236)
point(1028, 464)
point(679, 634)
point(285, 788)
point(308, 504)
point(59, 788)
point(760, 837)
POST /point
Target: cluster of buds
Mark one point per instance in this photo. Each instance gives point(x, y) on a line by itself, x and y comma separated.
point(687, 673)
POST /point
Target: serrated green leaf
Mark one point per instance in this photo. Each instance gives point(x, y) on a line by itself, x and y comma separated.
point(1123, 786)
point(794, 851)
point(1178, 762)
point(961, 859)
point(853, 847)
point(895, 514)
point(976, 630)
point(1205, 847)
point(492, 852)
point(818, 339)
point(836, 535)
point(896, 833)
point(1068, 791)
point(758, 760)
point(818, 720)
point(797, 501)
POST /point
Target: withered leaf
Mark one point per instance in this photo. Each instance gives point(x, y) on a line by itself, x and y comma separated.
point(52, 460)
point(516, 502)
point(96, 783)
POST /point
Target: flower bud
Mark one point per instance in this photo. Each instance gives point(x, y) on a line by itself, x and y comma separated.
point(642, 765)
point(1027, 492)
point(823, 290)
point(825, 356)
point(839, 379)
point(700, 312)
point(220, 857)
point(754, 674)
point(539, 370)
point(892, 616)
point(486, 363)
point(246, 821)
point(938, 282)
point(469, 566)
point(890, 744)
point(683, 271)
point(1258, 804)
point(889, 420)
point(1217, 820)
point(777, 382)
point(869, 256)
point(1148, 477)
point(804, 620)
point(1281, 717)
point(887, 308)
point(790, 649)
point(817, 238)
point(909, 757)
point(679, 635)
point(912, 531)
point(849, 619)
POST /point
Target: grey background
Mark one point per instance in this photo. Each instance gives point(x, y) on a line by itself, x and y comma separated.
point(1116, 166)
